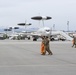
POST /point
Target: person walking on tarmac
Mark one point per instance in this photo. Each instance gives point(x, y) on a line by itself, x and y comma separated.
point(43, 52)
point(46, 44)
point(74, 41)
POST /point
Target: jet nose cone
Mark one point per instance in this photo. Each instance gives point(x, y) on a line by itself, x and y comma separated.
point(47, 32)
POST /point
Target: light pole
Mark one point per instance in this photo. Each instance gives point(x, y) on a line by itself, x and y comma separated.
point(53, 26)
point(67, 25)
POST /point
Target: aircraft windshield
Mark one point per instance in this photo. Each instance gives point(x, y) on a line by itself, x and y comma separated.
point(47, 30)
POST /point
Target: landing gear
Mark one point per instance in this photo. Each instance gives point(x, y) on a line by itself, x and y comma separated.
point(28, 38)
point(34, 38)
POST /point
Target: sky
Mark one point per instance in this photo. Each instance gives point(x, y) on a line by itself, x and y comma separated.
point(13, 12)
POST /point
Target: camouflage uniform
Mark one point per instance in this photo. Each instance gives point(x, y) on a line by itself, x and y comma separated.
point(46, 44)
point(75, 41)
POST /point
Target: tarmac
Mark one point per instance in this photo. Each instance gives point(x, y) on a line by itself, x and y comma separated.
point(23, 57)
